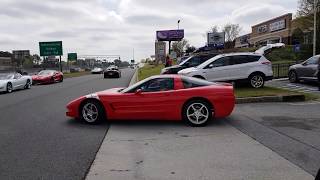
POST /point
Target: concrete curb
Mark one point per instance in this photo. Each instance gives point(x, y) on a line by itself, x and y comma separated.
point(134, 78)
point(264, 99)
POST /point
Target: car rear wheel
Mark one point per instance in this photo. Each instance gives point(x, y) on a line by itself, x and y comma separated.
point(256, 81)
point(293, 77)
point(92, 112)
point(9, 88)
point(28, 84)
point(197, 113)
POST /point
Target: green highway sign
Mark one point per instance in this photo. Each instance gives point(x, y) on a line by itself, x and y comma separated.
point(72, 56)
point(53, 48)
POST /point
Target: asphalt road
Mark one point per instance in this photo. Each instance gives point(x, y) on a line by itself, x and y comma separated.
point(38, 141)
point(290, 129)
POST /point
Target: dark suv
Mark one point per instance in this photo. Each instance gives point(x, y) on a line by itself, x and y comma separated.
point(304, 71)
point(192, 61)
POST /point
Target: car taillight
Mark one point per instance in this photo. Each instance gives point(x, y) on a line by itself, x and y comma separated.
point(266, 63)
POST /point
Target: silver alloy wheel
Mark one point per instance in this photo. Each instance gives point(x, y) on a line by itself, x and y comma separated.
point(9, 88)
point(28, 85)
point(90, 112)
point(257, 81)
point(197, 113)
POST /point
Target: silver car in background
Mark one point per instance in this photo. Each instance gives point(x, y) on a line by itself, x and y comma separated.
point(14, 81)
point(304, 71)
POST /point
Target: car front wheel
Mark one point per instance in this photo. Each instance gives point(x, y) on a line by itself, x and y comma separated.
point(28, 84)
point(293, 77)
point(197, 113)
point(9, 88)
point(92, 112)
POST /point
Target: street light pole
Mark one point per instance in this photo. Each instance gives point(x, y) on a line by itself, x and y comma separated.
point(315, 28)
point(178, 23)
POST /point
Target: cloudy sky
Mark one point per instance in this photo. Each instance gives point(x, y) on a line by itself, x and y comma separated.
point(118, 26)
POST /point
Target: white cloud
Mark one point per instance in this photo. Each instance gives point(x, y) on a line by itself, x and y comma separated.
point(118, 26)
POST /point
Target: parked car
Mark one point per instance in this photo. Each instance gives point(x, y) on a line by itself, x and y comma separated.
point(73, 70)
point(304, 71)
point(97, 70)
point(235, 67)
point(189, 62)
point(14, 81)
point(166, 97)
point(47, 77)
point(112, 71)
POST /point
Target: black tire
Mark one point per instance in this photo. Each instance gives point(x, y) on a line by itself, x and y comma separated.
point(52, 80)
point(61, 80)
point(256, 80)
point(28, 84)
point(192, 120)
point(9, 88)
point(96, 108)
point(199, 77)
point(293, 77)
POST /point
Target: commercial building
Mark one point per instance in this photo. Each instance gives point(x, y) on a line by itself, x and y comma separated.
point(5, 63)
point(242, 41)
point(272, 31)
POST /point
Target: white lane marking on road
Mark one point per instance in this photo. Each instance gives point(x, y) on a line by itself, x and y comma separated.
point(304, 103)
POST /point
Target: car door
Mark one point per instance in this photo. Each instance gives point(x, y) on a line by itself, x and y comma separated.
point(18, 81)
point(149, 101)
point(219, 69)
point(309, 68)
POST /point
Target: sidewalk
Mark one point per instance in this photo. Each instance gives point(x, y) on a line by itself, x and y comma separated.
point(300, 87)
point(169, 150)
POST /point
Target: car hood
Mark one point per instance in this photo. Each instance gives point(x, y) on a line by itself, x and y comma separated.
point(173, 67)
point(295, 66)
point(3, 81)
point(110, 91)
point(40, 76)
point(188, 70)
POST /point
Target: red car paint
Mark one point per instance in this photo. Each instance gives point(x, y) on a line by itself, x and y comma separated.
point(162, 105)
point(51, 76)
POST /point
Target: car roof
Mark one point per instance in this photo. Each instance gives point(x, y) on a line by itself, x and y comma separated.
point(240, 53)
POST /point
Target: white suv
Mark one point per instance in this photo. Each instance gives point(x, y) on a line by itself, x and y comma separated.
point(250, 67)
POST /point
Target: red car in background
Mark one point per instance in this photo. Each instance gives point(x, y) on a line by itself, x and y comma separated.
point(165, 97)
point(47, 77)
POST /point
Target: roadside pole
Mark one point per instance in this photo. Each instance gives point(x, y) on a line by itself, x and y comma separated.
point(60, 65)
point(315, 28)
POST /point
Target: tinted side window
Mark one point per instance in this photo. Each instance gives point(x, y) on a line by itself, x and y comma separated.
point(224, 61)
point(241, 59)
point(253, 59)
point(312, 60)
point(159, 84)
point(194, 61)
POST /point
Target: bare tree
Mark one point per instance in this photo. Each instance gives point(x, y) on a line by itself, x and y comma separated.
point(231, 31)
point(305, 7)
point(214, 29)
point(179, 47)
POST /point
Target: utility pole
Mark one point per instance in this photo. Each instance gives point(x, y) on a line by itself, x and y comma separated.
point(315, 27)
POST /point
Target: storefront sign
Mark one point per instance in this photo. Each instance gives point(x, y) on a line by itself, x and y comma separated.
point(279, 25)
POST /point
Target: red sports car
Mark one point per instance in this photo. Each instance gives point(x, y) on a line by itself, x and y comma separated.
point(47, 76)
point(165, 97)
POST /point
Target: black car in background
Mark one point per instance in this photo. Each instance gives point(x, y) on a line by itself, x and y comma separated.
point(112, 72)
point(192, 61)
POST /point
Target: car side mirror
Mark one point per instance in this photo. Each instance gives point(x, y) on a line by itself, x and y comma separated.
point(138, 91)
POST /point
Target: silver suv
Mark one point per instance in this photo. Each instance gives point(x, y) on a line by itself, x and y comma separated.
point(304, 71)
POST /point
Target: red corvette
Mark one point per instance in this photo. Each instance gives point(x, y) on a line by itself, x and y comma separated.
point(165, 97)
point(47, 76)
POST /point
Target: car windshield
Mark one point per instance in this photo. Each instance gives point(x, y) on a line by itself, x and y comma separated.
point(6, 76)
point(183, 62)
point(45, 73)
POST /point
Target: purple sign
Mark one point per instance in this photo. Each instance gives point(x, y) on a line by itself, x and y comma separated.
point(170, 35)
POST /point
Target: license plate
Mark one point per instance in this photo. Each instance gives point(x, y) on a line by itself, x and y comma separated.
point(110, 74)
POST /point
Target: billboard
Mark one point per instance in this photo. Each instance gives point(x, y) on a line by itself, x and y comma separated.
point(170, 35)
point(72, 56)
point(53, 48)
point(160, 51)
point(216, 38)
